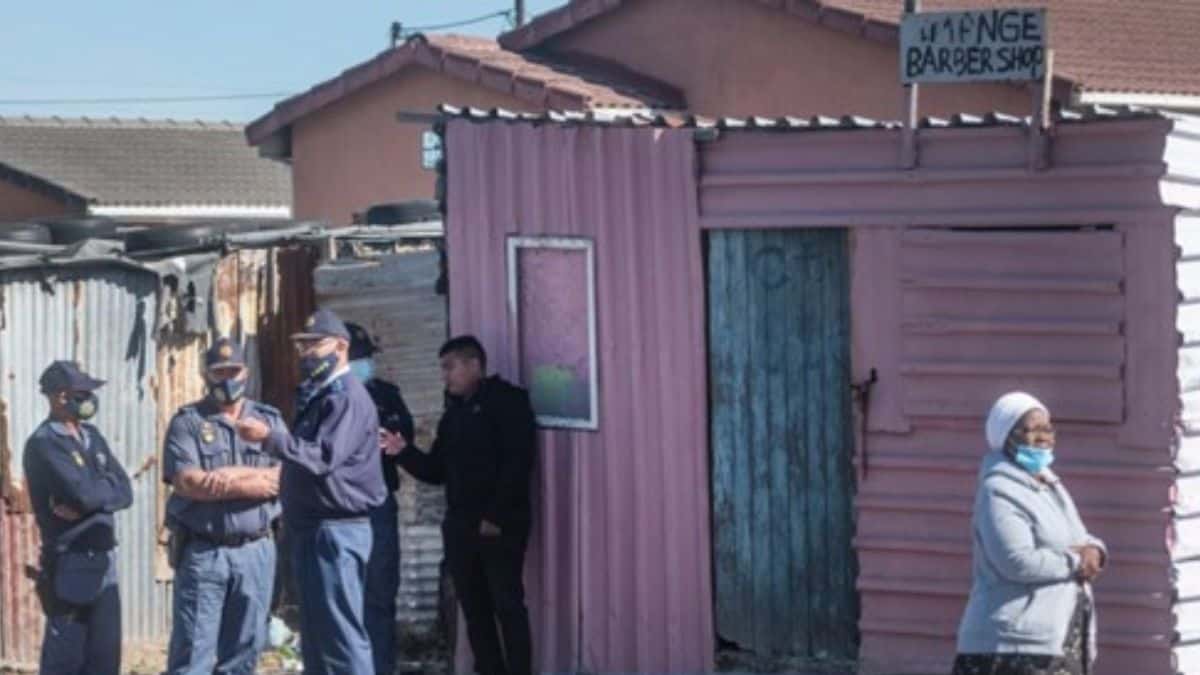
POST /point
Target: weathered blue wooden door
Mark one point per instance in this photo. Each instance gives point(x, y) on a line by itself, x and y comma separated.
point(782, 476)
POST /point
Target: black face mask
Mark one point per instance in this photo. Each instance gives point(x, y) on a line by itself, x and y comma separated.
point(83, 406)
point(227, 391)
point(317, 368)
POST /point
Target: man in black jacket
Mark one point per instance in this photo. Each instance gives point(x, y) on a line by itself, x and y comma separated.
point(484, 454)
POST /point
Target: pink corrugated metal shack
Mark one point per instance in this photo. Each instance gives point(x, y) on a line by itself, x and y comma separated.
point(727, 485)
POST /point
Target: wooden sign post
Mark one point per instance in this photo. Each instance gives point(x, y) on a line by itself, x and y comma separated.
point(993, 45)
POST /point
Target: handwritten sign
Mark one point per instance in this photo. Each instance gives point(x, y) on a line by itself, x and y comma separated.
point(978, 46)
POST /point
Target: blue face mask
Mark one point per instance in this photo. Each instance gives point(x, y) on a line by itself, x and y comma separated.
point(363, 369)
point(1034, 459)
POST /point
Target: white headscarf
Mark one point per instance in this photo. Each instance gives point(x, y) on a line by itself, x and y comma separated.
point(1006, 412)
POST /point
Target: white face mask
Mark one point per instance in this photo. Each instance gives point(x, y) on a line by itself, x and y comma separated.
point(363, 369)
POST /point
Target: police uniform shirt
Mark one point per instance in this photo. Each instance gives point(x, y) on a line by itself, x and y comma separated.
point(331, 463)
point(80, 473)
point(202, 437)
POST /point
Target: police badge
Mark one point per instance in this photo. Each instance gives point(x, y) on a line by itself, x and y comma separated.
point(207, 433)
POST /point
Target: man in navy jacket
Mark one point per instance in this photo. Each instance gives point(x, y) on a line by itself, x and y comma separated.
point(76, 484)
point(330, 482)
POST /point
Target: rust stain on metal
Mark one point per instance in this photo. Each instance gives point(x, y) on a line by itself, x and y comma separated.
point(150, 462)
point(20, 613)
point(5, 455)
point(77, 325)
point(290, 299)
point(178, 383)
point(12, 491)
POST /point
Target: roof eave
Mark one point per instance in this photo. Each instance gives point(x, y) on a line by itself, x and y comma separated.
point(41, 186)
point(271, 133)
point(1147, 99)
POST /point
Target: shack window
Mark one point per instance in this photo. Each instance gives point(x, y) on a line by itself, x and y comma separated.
point(431, 150)
point(551, 290)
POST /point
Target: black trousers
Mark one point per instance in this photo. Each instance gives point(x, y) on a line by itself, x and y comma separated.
point(487, 578)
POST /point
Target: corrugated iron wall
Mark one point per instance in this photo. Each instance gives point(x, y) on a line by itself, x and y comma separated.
point(1181, 188)
point(103, 317)
point(961, 291)
point(619, 566)
point(288, 298)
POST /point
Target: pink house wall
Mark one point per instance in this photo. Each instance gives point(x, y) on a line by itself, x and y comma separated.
point(732, 57)
point(620, 570)
point(355, 153)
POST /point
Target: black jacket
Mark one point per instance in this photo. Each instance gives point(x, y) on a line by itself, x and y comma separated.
point(484, 454)
point(393, 416)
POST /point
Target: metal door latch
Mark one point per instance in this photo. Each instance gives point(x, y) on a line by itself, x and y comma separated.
point(862, 400)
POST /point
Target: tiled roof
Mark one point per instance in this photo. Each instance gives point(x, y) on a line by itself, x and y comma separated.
point(1082, 114)
point(542, 83)
point(1144, 46)
point(124, 162)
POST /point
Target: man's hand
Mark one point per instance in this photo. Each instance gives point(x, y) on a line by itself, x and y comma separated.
point(391, 443)
point(262, 485)
point(1091, 561)
point(65, 512)
point(488, 529)
point(253, 430)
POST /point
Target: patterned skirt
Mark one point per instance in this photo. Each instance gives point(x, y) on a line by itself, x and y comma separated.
point(1074, 661)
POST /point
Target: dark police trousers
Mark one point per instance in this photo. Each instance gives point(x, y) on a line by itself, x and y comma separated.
point(487, 579)
point(382, 584)
point(85, 640)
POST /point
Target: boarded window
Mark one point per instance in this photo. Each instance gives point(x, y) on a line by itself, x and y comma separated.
point(551, 297)
point(986, 312)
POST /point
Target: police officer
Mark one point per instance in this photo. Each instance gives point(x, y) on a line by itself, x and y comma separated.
point(76, 485)
point(383, 569)
point(220, 513)
point(484, 453)
point(331, 481)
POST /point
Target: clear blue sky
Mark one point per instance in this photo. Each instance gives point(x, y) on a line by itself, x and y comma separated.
point(105, 49)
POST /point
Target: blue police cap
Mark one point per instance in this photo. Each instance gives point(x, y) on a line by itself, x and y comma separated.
point(361, 344)
point(224, 352)
point(67, 376)
point(323, 323)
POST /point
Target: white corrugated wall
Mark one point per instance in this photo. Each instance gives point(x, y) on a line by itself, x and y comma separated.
point(1181, 188)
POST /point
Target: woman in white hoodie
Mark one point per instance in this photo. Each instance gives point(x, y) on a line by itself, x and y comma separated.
point(1030, 611)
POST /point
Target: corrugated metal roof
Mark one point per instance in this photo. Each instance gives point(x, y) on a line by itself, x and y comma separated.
point(612, 118)
point(91, 252)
